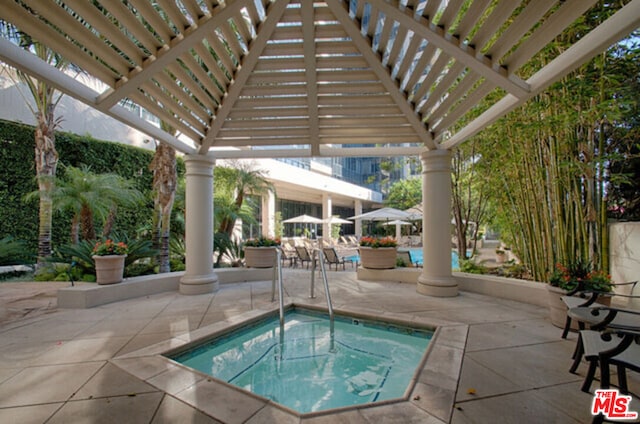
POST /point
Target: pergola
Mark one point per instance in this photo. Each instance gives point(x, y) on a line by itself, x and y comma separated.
point(296, 78)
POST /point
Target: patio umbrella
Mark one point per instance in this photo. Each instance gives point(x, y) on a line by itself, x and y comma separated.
point(383, 214)
point(305, 219)
point(336, 220)
point(415, 212)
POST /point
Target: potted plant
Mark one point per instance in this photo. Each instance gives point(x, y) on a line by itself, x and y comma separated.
point(501, 256)
point(109, 257)
point(261, 252)
point(576, 278)
point(378, 253)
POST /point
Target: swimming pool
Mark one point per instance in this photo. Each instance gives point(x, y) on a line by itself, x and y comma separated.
point(416, 258)
point(306, 369)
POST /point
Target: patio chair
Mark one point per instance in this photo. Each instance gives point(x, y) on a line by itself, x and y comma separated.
point(579, 298)
point(332, 258)
point(613, 341)
point(288, 254)
point(304, 256)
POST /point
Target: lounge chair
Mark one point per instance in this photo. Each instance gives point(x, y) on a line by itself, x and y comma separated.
point(288, 254)
point(612, 341)
point(332, 258)
point(577, 298)
point(304, 256)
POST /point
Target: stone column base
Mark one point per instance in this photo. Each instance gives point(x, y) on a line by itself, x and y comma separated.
point(199, 284)
point(437, 287)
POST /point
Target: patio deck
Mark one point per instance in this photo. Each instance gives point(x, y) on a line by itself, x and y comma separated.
point(58, 366)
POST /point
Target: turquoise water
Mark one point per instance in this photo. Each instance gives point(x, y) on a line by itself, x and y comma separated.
point(369, 361)
point(416, 258)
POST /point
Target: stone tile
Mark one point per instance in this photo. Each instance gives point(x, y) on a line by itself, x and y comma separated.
point(33, 414)
point(221, 402)
point(478, 381)
point(529, 367)
point(404, 413)
point(121, 409)
point(176, 379)
point(6, 373)
point(270, 414)
point(347, 417)
point(112, 381)
point(517, 408)
point(144, 368)
point(142, 341)
point(510, 334)
point(569, 399)
point(174, 325)
point(434, 399)
point(115, 327)
point(81, 350)
point(172, 410)
point(46, 384)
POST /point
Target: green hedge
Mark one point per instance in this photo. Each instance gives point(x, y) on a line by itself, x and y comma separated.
point(17, 177)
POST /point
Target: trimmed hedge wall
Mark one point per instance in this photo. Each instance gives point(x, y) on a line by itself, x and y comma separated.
point(17, 177)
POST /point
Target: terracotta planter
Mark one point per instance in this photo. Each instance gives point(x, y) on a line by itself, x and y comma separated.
point(259, 257)
point(109, 268)
point(558, 310)
point(378, 257)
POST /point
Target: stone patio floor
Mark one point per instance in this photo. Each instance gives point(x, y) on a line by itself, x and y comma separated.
point(58, 366)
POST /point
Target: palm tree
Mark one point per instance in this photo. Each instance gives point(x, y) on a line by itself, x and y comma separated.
point(89, 196)
point(165, 180)
point(46, 98)
point(243, 181)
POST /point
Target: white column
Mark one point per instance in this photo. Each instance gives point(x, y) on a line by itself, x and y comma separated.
point(436, 278)
point(327, 211)
point(357, 210)
point(269, 214)
point(199, 275)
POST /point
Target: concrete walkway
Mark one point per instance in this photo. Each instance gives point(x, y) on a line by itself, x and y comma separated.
point(57, 365)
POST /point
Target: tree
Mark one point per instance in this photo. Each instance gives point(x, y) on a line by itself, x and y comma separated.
point(469, 197)
point(45, 99)
point(405, 194)
point(91, 196)
point(242, 181)
point(165, 180)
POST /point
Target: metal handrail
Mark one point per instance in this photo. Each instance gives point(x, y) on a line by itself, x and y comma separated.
point(323, 271)
point(277, 275)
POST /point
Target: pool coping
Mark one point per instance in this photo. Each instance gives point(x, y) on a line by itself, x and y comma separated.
point(431, 392)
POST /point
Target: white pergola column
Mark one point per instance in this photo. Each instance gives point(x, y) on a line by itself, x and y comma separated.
point(199, 275)
point(327, 212)
point(269, 214)
point(357, 210)
point(436, 278)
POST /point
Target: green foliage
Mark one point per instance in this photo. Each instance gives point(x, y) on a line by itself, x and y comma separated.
point(405, 194)
point(470, 266)
point(17, 177)
point(14, 252)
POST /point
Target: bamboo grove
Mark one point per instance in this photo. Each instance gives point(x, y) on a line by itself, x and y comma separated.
point(549, 163)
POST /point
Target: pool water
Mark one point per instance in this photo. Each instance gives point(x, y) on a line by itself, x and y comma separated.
point(304, 370)
point(416, 258)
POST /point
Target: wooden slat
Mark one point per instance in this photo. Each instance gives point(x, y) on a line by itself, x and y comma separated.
point(346, 76)
point(408, 57)
point(127, 20)
point(238, 113)
point(498, 16)
point(276, 77)
point(194, 10)
point(204, 54)
point(449, 15)
point(358, 100)
point(365, 122)
point(232, 42)
point(169, 103)
point(398, 44)
point(441, 88)
point(568, 12)
point(463, 107)
point(468, 22)
point(184, 97)
point(202, 77)
point(12, 12)
point(360, 110)
point(107, 29)
point(274, 90)
point(151, 16)
point(519, 27)
point(73, 29)
point(435, 72)
point(219, 48)
point(194, 86)
point(454, 95)
point(175, 15)
point(281, 64)
point(425, 59)
point(353, 87)
point(152, 106)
